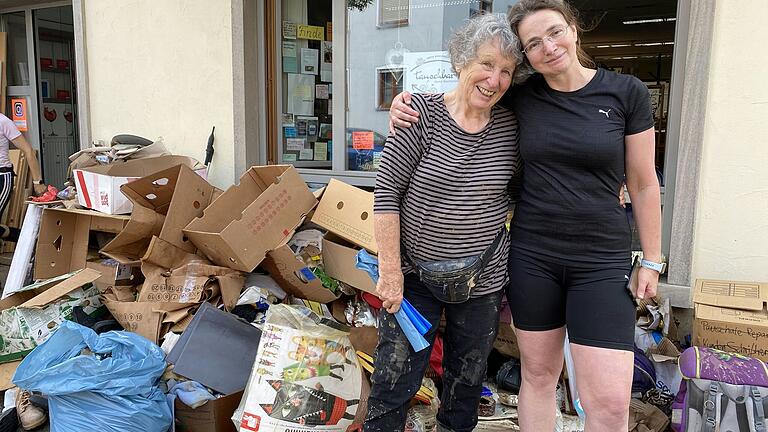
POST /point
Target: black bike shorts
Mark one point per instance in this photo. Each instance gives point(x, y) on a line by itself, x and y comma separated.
point(592, 301)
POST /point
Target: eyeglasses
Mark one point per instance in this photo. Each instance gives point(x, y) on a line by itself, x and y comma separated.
point(536, 45)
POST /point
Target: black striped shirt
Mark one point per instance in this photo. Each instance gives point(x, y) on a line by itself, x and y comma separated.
point(450, 186)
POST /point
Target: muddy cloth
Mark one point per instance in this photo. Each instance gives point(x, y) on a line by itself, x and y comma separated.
point(468, 339)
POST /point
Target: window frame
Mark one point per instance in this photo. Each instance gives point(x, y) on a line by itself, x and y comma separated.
point(380, 23)
point(383, 103)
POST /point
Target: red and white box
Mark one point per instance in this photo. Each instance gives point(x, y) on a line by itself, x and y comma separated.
point(98, 187)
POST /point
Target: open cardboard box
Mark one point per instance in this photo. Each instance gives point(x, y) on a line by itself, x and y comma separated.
point(339, 262)
point(731, 316)
point(214, 416)
point(62, 243)
point(163, 204)
point(98, 187)
point(252, 218)
point(347, 211)
point(294, 277)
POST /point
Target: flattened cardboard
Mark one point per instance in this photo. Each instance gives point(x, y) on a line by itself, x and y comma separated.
point(347, 211)
point(339, 263)
point(99, 186)
point(364, 339)
point(163, 204)
point(77, 280)
point(731, 294)
point(294, 277)
point(7, 370)
point(193, 282)
point(145, 318)
point(214, 416)
point(115, 274)
point(250, 219)
point(62, 243)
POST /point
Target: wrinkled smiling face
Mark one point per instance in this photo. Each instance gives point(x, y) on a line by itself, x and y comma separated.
point(485, 79)
point(554, 56)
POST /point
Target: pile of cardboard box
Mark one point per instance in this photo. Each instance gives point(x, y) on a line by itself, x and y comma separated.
point(731, 316)
point(153, 244)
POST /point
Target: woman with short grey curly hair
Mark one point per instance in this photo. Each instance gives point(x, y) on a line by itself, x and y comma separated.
point(441, 201)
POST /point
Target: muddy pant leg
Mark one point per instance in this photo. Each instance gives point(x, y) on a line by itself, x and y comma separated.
point(469, 334)
point(398, 370)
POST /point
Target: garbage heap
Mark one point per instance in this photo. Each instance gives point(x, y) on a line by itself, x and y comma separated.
point(244, 309)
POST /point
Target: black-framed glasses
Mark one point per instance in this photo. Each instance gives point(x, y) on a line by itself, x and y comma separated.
point(536, 45)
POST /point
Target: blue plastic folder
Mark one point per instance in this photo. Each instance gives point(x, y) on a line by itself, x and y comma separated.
point(413, 324)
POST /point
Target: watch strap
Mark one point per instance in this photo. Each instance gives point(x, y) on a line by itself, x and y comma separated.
point(659, 267)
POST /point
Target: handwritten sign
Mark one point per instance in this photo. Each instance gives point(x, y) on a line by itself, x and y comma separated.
point(310, 32)
point(362, 140)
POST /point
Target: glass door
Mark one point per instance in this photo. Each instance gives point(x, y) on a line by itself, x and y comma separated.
point(19, 76)
point(55, 61)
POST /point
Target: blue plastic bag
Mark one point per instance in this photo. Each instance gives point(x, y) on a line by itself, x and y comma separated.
point(114, 390)
point(412, 323)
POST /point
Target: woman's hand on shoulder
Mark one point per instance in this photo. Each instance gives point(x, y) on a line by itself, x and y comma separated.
point(400, 112)
point(389, 288)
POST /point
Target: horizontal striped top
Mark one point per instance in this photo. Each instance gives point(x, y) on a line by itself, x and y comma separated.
point(450, 186)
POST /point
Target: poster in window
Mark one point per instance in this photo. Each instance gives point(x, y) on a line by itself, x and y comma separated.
point(321, 151)
point(289, 30)
point(288, 119)
point(294, 144)
point(309, 59)
point(306, 154)
point(362, 140)
point(428, 72)
point(326, 131)
point(308, 127)
point(656, 95)
point(321, 91)
point(301, 94)
point(326, 67)
point(310, 32)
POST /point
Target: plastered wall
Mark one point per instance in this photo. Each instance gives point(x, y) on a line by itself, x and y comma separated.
point(163, 68)
point(732, 210)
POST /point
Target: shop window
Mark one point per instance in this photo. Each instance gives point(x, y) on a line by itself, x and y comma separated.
point(306, 50)
point(393, 13)
point(389, 82)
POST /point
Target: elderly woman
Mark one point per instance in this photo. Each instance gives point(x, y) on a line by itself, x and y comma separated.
point(441, 201)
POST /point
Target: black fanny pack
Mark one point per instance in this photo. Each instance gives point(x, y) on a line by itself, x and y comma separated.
point(453, 281)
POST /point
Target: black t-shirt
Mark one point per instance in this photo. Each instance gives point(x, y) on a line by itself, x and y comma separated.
point(572, 145)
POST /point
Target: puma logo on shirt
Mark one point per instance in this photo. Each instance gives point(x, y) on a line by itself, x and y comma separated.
point(605, 112)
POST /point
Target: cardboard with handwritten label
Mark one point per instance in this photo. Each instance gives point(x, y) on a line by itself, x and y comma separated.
point(730, 316)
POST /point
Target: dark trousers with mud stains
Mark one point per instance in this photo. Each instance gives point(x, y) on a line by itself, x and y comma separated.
point(469, 334)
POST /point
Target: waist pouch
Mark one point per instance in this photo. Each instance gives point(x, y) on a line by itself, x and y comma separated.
point(452, 281)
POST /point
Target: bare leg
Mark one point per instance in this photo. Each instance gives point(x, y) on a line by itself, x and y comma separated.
point(541, 357)
point(604, 380)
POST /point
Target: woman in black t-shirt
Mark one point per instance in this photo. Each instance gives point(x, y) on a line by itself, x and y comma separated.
point(582, 131)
